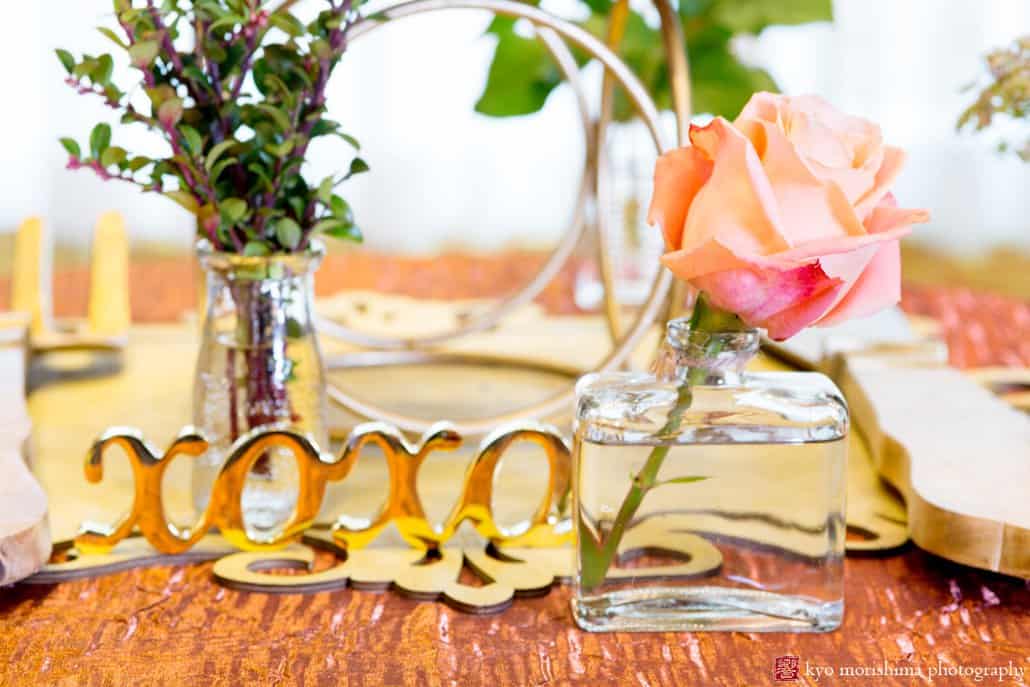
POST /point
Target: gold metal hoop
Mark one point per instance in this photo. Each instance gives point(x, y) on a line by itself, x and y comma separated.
point(549, 28)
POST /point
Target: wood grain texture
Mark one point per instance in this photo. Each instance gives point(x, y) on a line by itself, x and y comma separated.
point(175, 626)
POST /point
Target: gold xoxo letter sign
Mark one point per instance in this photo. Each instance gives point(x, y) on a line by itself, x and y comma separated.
point(403, 507)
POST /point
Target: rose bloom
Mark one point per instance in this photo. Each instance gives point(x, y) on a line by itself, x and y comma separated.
point(784, 217)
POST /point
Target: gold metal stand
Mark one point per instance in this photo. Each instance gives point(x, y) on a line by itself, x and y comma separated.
point(554, 33)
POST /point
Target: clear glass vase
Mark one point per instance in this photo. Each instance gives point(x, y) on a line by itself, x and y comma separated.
point(709, 498)
point(259, 365)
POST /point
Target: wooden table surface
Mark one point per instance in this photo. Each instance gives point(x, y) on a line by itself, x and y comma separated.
point(906, 612)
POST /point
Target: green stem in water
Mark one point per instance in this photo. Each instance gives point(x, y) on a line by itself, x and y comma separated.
point(597, 556)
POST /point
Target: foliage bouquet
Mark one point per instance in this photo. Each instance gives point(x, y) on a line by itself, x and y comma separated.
point(236, 91)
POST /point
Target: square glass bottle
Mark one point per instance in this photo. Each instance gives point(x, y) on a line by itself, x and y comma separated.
point(707, 497)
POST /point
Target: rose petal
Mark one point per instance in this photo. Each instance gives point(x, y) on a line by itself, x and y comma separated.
point(789, 322)
point(709, 257)
point(836, 147)
point(762, 106)
point(887, 217)
point(893, 160)
point(737, 203)
point(780, 300)
point(678, 175)
point(810, 207)
point(877, 287)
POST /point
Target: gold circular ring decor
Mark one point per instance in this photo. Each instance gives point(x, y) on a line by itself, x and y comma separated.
point(485, 320)
point(547, 26)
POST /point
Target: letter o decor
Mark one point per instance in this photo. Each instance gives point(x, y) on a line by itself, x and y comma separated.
point(553, 32)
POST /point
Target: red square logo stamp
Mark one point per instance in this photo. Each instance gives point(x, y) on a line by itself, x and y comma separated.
point(786, 668)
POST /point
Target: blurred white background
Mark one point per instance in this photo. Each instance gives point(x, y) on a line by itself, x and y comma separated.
point(443, 176)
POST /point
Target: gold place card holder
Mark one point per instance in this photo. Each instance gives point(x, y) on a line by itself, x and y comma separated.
point(106, 326)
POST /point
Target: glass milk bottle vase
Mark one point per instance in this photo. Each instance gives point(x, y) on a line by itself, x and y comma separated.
point(707, 497)
point(259, 366)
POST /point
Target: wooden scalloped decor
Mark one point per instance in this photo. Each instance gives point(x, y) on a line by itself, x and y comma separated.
point(505, 572)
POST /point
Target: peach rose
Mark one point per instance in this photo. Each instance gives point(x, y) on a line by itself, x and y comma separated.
point(784, 217)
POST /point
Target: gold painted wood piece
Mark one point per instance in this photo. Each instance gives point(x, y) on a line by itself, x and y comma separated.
point(952, 443)
point(107, 323)
point(132, 552)
point(959, 455)
point(504, 572)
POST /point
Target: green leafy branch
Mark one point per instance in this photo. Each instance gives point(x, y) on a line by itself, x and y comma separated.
point(1007, 92)
point(522, 74)
point(237, 90)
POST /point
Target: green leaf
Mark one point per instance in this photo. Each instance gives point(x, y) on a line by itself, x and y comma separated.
point(337, 229)
point(722, 85)
point(280, 118)
point(83, 68)
point(600, 6)
point(357, 166)
point(261, 174)
point(294, 330)
point(233, 209)
point(341, 210)
point(288, 232)
point(321, 49)
point(197, 76)
point(183, 198)
point(286, 22)
point(215, 51)
point(66, 59)
point(298, 204)
point(327, 127)
point(522, 74)
point(752, 16)
point(99, 139)
point(159, 94)
point(139, 162)
point(256, 249)
point(227, 21)
point(680, 480)
point(101, 74)
point(143, 53)
point(216, 152)
point(325, 190)
point(114, 37)
point(72, 147)
point(280, 149)
point(192, 138)
point(112, 156)
point(112, 93)
point(324, 127)
point(349, 139)
point(217, 170)
point(170, 112)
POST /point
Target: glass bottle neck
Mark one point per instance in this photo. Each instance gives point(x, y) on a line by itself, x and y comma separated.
point(704, 358)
